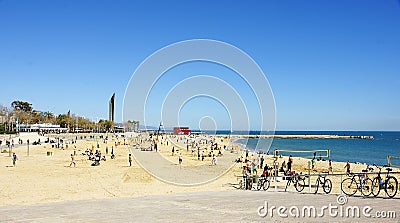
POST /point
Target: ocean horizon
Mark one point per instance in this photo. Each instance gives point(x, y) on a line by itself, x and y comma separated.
point(368, 151)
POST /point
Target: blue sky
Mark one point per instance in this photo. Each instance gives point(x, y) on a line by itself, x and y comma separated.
point(332, 65)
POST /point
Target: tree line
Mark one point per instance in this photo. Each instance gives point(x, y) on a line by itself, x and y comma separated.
point(25, 114)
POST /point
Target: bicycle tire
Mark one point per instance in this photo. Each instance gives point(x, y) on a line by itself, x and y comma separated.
point(376, 189)
point(299, 185)
point(266, 184)
point(391, 186)
point(366, 188)
point(316, 186)
point(250, 184)
point(240, 185)
point(327, 186)
point(349, 186)
point(259, 183)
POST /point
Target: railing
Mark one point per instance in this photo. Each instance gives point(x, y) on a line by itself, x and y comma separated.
point(278, 182)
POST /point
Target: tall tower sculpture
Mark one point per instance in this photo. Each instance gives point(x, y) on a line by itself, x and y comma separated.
point(111, 105)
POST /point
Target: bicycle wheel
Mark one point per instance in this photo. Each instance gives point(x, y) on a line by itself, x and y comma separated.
point(349, 186)
point(240, 185)
point(391, 186)
point(366, 187)
point(327, 186)
point(316, 187)
point(299, 184)
point(266, 184)
point(260, 183)
point(250, 184)
point(376, 186)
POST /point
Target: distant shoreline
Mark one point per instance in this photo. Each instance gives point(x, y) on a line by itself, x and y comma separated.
point(301, 137)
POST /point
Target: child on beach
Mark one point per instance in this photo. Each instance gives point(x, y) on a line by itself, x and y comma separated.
point(15, 158)
point(213, 160)
point(72, 160)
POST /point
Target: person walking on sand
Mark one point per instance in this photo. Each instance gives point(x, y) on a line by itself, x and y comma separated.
point(72, 160)
point(289, 163)
point(14, 158)
point(173, 150)
point(130, 159)
point(245, 174)
point(330, 169)
point(180, 159)
point(347, 166)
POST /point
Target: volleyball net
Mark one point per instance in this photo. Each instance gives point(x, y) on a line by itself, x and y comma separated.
point(319, 153)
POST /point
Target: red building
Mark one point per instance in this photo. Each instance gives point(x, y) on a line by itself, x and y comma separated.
point(182, 131)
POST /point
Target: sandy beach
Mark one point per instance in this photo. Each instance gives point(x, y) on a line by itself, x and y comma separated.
point(46, 176)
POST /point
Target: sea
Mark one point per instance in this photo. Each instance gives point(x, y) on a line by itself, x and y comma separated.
point(355, 150)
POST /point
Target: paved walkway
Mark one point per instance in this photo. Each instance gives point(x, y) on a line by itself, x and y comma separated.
point(224, 206)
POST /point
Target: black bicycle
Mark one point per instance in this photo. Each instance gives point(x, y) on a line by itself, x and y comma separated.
point(389, 184)
point(263, 182)
point(325, 183)
point(297, 180)
point(350, 185)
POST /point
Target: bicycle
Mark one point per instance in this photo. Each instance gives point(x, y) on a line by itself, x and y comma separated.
point(297, 181)
point(350, 185)
point(263, 182)
point(390, 184)
point(325, 183)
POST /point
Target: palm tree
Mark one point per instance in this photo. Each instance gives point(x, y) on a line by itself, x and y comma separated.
point(49, 117)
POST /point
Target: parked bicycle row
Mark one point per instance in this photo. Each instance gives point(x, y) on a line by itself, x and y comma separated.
point(368, 182)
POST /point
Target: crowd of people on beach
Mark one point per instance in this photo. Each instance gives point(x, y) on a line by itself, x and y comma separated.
point(198, 146)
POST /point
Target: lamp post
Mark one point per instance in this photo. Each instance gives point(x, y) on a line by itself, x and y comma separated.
point(159, 128)
point(28, 146)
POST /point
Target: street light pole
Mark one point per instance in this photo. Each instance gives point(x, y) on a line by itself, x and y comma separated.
point(159, 128)
point(28, 146)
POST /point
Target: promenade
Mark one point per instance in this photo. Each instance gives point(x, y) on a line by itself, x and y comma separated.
point(222, 206)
